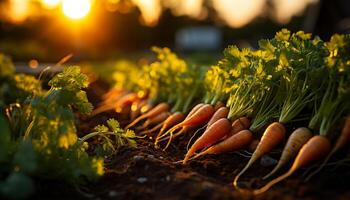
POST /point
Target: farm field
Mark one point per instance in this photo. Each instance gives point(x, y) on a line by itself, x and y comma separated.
point(154, 99)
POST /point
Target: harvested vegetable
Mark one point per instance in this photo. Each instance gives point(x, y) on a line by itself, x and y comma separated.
point(163, 107)
point(213, 134)
point(316, 148)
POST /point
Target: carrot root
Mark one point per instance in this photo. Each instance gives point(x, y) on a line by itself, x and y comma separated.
point(202, 115)
point(153, 112)
point(342, 140)
point(233, 143)
point(172, 120)
point(316, 148)
point(158, 139)
point(272, 136)
point(239, 125)
point(146, 132)
point(171, 138)
point(295, 141)
point(213, 134)
point(219, 114)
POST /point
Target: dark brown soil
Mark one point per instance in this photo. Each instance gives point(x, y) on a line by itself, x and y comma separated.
point(149, 173)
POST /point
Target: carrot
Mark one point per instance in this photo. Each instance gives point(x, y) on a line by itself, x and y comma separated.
point(126, 100)
point(136, 109)
point(343, 139)
point(295, 141)
point(172, 120)
point(213, 134)
point(194, 109)
point(316, 148)
point(233, 143)
point(155, 120)
point(108, 104)
point(155, 128)
point(102, 108)
point(220, 113)
point(146, 108)
point(162, 107)
point(186, 128)
point(239, 125)
point(219, 105)
point(201, 116)
point(113, 95)
point(272, 136)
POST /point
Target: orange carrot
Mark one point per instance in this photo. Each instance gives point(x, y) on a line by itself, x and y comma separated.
point(187, 128)
point(172, 120)
point(213, 134)
point(219, 105)
point(108, 104)
point(162, 107)
point(155, 128)
point(102, 108)
point(144, 109)
point(233, 143)
point(126, 100)
point(136, 108)
point(220, 113)
point(272, 136)
point(201, 116)
point(184, 128)
point(113, 95)
point(239, 125)
point(343, 139)
point(194, 109)
point(316, 148)
point(156, 119)
point(295, 141)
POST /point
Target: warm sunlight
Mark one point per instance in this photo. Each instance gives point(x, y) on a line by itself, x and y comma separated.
point(50, 3)
point(286, 9)
point(76, 9)
point(239, 12)
point(18, 10)
point(192, 8)
point(150, 10)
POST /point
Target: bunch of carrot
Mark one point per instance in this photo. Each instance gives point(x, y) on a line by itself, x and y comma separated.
point(290, 78)
point(159, 97)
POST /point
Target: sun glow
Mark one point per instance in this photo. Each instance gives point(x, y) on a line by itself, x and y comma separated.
point(150, 10)
point(50, 3)
point(76, 9)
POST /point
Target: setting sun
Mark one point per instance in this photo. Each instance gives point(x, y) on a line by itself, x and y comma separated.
point(76, 9)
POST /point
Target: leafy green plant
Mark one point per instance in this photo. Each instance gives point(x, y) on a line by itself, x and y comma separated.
point(169, 78)
point(111, 138)
point(39, 137)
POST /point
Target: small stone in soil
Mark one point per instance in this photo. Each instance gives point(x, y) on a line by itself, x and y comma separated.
point(142, 180)
point(167, 178)
point(146, 167)
point(267, 161)
point(138, 158)
point(112, 193)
